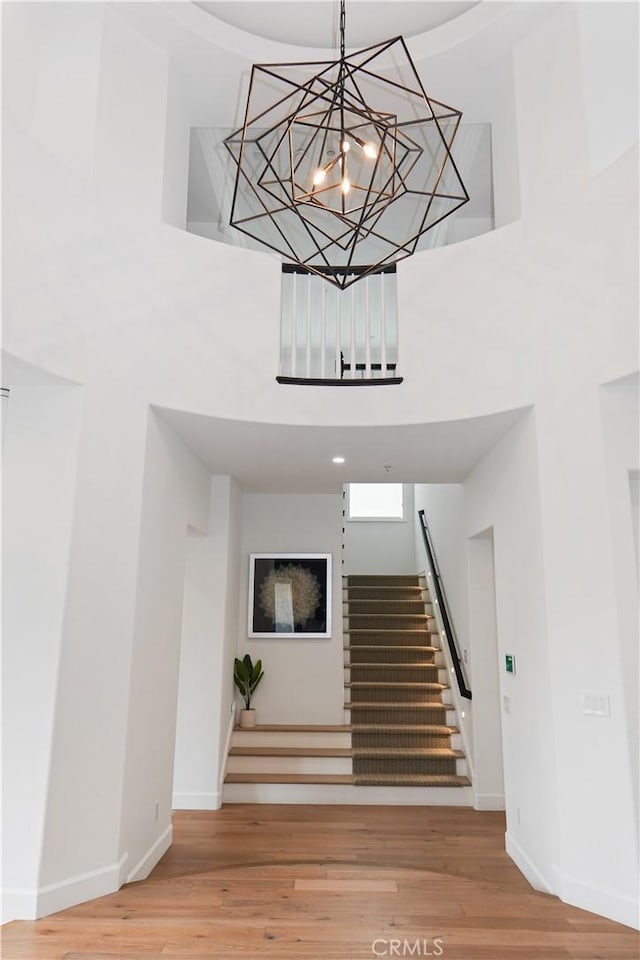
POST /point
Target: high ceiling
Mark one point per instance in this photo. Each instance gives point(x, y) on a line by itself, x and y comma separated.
point(315, 23)
point(282, 458)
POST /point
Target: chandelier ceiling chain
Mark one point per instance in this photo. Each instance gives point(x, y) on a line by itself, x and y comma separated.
point(333, 184)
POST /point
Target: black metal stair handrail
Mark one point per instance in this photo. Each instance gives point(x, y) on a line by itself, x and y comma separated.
point(444, 609)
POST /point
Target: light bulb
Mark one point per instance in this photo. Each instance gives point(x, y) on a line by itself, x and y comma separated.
point(319, 176)
point(345, 186)
point(345, 146)
point(369, 149)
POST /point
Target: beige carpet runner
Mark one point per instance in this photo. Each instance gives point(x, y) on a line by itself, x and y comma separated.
point(399, 733)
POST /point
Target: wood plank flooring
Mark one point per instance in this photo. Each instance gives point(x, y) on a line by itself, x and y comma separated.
point(327, 883)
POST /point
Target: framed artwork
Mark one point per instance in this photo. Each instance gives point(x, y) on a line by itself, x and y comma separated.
point(290, 595)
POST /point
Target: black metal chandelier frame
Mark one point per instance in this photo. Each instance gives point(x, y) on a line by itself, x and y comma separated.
point(294, 190)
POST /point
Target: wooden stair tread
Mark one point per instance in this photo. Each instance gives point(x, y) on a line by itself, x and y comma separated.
point(290, 752)
point(297, 728)
point(288, 778)
point(412, 780)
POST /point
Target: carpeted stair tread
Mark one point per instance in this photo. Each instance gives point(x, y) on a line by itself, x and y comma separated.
point(394, 646)
point(439, 753)
point(386, 607)
point(383, 615)
point(389, 685)
point(377, 665)
point(399, 705)
point(408, 633)
point(438, 729)
point(411, 780)
point(394, 672)
point(382, 580)
point(384, 593)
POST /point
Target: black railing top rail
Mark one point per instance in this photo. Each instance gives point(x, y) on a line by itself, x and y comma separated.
point(440, 596)
point(331, 271)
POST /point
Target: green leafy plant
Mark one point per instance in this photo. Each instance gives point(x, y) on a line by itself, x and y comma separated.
point(247, 676)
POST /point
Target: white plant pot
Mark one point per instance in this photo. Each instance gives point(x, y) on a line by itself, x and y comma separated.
point(247, 718)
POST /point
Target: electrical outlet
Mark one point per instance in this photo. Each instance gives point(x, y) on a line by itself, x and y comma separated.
point(518, 815)
point(157, 810)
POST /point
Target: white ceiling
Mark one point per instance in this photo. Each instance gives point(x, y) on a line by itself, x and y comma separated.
point(314, 23)
point(269, 458)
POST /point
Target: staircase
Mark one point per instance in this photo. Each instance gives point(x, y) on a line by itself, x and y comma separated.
point(399, 729)
point(401, 725)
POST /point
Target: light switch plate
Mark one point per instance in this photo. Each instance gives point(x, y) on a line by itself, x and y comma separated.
point(596, 704)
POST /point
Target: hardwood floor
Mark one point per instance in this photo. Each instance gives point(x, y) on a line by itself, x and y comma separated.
point(327, 883)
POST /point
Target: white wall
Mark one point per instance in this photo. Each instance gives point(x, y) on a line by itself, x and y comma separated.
point(609, 37)
point(92, 684)
point(194, 777)
point(620, 410)
point(502, 493)
point(38, 481)
point(385, 547)
point(208, 646)
point(304, 679)
point(175, 495)
point(485, 666)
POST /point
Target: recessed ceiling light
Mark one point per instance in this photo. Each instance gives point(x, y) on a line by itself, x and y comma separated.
point(338, 460)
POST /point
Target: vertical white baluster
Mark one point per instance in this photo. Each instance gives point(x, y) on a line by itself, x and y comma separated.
point(286, 320)
point(294, 323)
point(383, 329)
point(323, 334)
point(352, 314)
point(308, 351)
point(338, 360)
point(367, 332)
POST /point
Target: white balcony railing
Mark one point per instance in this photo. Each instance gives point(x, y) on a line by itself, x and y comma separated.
point(345, 336)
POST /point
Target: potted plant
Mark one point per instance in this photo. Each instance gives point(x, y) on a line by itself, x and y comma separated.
point(247, 676)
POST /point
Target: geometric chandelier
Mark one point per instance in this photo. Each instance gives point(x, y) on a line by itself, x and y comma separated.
point(342, 166)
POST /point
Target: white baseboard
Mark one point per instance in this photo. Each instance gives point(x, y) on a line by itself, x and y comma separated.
point(488, 801)
point(42, 901)
point(19, 904)
point(197, 801)
point(597, 900)
point(146, 863)
point(526, 866)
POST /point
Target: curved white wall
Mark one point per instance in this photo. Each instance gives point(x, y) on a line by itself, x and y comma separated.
point(100, 291)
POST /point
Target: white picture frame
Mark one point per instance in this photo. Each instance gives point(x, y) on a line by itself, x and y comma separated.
point(289, 596)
